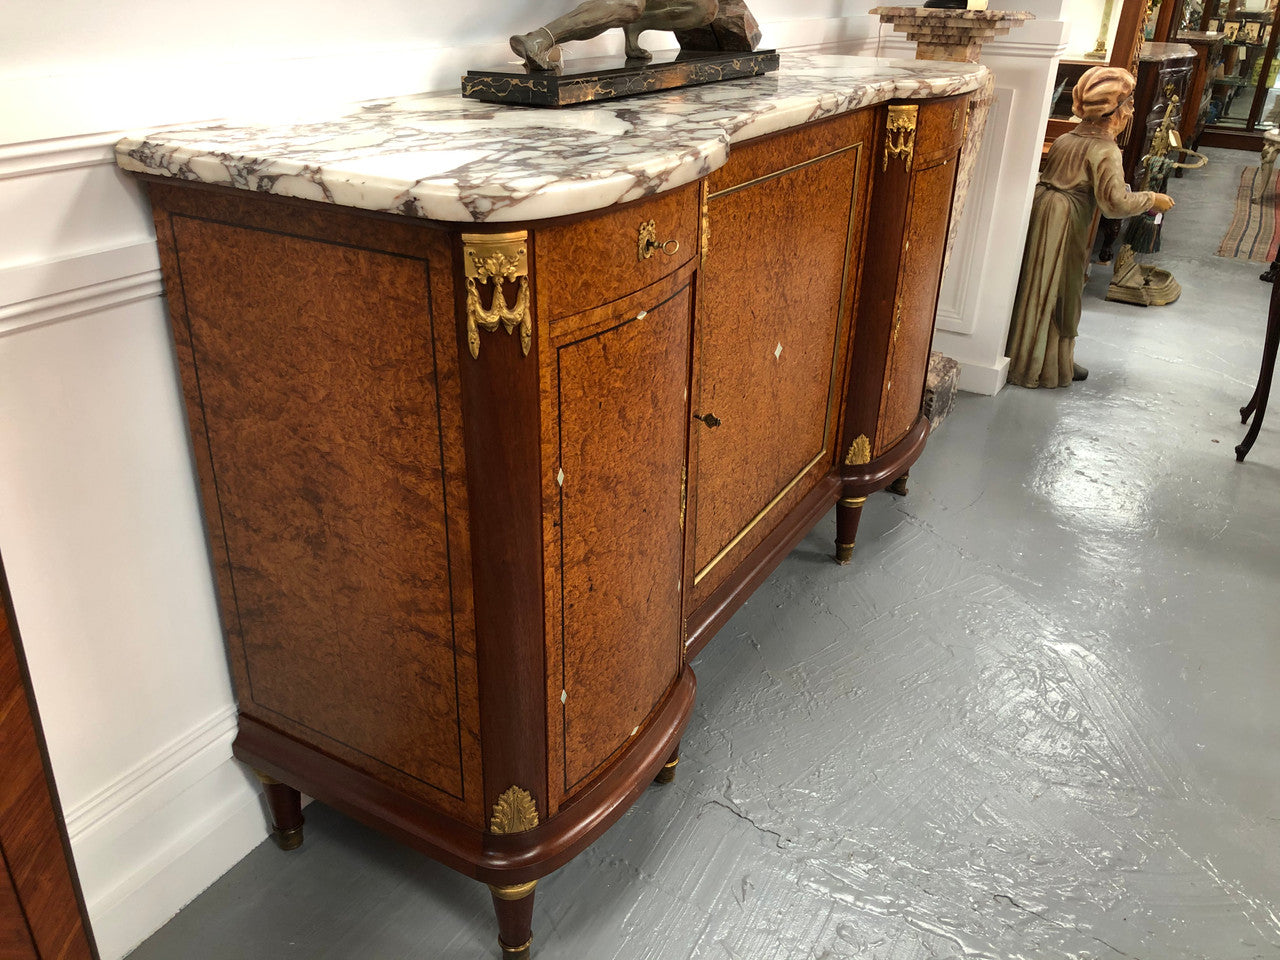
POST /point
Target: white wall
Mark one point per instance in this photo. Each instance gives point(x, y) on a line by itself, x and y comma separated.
point(98, 517)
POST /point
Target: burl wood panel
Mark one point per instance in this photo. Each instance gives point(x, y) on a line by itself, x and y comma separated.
point(622, 425)
point(771, 331)
point(40, 913)
point(908, 358)
point(588, 262)
point(317, 375)
point(910, 206)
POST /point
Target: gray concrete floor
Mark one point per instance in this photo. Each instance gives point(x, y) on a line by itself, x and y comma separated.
point(1036, 718)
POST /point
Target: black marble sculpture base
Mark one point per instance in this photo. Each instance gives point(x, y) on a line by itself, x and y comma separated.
point(607, 78)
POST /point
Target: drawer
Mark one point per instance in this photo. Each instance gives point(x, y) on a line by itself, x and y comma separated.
point(596, 260)
point(939, 129)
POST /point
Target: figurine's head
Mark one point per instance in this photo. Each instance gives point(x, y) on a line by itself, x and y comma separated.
point(1104, 96)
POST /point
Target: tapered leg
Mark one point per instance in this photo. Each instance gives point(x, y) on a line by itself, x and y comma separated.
point(514, 907)
point(286, 812)
point(668, 772)
point(1258, 405)
point(848, 513)
point(899, 486)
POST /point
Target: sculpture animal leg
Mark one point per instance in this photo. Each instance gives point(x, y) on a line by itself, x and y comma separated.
point(541, 48)
point(631, 34)
point(667, 15)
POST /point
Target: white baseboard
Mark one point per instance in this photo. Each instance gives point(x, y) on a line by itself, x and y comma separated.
point(983, 378)
point(152, 840)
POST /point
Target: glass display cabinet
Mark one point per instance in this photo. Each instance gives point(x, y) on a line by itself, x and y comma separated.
point(1243, 100)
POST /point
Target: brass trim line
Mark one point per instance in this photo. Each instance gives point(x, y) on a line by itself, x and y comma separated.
point(778, 173)
point(852, 501)
point(697, 577)
point(521, 951)
point(704, 241)
point(516, 891)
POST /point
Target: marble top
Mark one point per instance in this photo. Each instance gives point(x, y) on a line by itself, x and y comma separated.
point(1152, 52)
point(441, 157)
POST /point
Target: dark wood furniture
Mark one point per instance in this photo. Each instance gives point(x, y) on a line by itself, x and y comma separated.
point(1239, 90)
point(42, 915)
point(1257, 405)
point(461, 572)
point(1196, 107)
point(1164, 72)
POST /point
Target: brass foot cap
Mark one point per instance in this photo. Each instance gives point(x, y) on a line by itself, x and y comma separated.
point(288, 839)
point(668, 772)
point(516, 953)
point(844, 552)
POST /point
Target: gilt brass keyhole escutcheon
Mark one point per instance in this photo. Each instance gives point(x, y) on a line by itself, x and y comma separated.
point(649, 242)
point(710, 419)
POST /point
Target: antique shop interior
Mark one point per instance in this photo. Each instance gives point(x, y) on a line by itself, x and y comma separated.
point(640, 480)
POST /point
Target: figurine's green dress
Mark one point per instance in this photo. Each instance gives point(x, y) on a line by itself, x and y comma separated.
point(1084, 170)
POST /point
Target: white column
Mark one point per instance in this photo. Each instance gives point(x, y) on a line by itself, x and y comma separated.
point(976, 302)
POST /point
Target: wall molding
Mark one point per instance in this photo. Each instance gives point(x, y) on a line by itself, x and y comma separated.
point(35, 157)
point(195, 753)
point(48, 291)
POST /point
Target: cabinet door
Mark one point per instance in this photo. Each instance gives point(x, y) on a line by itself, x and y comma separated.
point(901, 273)
point(912, 331)
point(617, 428)
point(321, 384)
point(773, 302)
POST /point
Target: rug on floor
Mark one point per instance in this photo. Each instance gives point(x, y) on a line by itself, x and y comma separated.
point(1252, 234)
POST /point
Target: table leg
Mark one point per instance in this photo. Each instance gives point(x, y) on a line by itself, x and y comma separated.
point(1257, 406)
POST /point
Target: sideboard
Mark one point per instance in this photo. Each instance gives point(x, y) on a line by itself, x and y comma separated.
point(498, 415)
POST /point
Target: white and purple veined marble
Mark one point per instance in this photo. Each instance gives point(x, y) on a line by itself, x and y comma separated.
point(441, 157)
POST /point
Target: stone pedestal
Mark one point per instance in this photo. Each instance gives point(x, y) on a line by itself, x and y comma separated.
point(956, 35)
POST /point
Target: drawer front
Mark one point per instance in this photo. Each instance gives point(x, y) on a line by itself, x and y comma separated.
point(597, 260)
point(939, 129)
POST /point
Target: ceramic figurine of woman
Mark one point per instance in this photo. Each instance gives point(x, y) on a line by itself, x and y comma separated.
point(1083, 171)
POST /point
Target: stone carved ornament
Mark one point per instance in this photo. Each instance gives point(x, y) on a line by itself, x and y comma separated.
point(697, 24)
